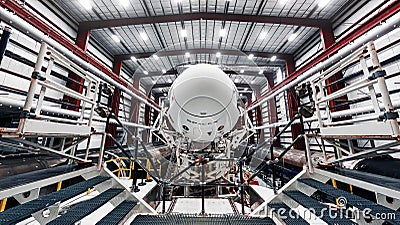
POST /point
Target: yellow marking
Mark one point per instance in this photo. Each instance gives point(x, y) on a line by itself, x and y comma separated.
point(59, 184)
point(3, 205)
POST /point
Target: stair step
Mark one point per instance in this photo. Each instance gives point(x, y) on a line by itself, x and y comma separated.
point(37, 175)
point(21, 212)
point(118, 213)
point(85, 208)
point(353, 200)
point(204, 220)
point(320, 209)
point(285, 216)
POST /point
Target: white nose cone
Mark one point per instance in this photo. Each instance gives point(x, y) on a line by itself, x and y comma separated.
point(203, 103)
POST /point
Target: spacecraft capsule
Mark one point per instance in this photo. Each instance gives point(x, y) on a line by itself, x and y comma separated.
point(203, 103)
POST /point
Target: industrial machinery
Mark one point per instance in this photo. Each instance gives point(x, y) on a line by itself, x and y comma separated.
point(202, 122)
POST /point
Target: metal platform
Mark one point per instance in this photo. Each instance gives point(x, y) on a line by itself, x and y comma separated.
point(184, 219)
point(379, 180)
point(321, 210)
point(21, 212)
point(353, 200)
point(118, 213)
point(284, 214)
point(84, 209)
point(311, 201)
point(25, 178)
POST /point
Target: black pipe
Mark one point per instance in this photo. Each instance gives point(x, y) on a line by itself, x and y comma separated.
point(271, 149)
point(242, 186)
point(287, 125)
point(289, 147)
point(163, 197)
point(4, 41)
point(203, 211)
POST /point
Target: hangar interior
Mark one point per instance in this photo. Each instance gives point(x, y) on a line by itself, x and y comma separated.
point(199, 112)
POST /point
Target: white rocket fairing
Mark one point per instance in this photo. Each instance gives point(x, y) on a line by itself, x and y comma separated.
point(203, 103)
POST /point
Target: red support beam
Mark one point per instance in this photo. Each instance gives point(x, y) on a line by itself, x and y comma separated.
point(33, 19)
point(375, 20)
point(293, 107)
point(272, 112)
point(112, 128)
point(101, 24)
point(76, 82)
point(328, 40)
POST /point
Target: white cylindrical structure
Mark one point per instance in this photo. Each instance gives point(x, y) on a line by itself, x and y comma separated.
point(203, 103)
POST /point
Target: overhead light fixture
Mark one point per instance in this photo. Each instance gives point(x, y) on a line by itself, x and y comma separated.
point(163, 71)
point(273, 58)
point(323, 3)
point(218, 54)
point(133, 58)
point(156, 57)
point(222, 32)
point(261, 72)
point(86, 4)
point(263, 35)
point(165, 94)
point(184, 33)
point(292, 37)
point(124, 3)
point(154, 81)
point(237, 80)
point(283, 1)
point(144, 36)
point(251, 56)
point(169, 80)
point(246, 89)
point(145, 72)
point(241, 71)
point(253, 81)
point(187, 55)
point(115, 38)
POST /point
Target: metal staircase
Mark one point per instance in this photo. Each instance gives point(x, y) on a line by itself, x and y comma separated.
point(309, 199)
point(56, 208)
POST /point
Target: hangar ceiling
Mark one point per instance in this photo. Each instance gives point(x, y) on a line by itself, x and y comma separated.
point(140, 28)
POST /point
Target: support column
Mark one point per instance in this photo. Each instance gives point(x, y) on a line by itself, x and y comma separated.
point(272, 112)
point(155, 115)
point(147, 115)
point(251, 117)
point(135, 108)
point(293, 107)
point(259, 118)
point(5, 36)
point(74, 81)
point(328, 39)
point(112, 128)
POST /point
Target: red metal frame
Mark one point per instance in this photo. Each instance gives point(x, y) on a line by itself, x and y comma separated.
point(293, 106)
point(272, 113)
point(306, 22)
point(380, 16)
point(328, 39)
point(76, 82)
point(31, 18)
point(112, 128)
